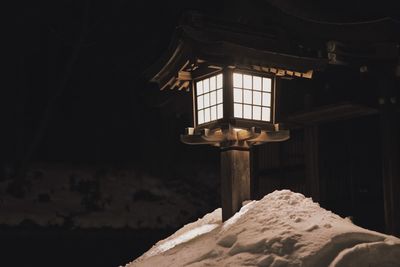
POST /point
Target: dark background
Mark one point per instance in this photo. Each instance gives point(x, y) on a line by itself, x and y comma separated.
point(77, 96)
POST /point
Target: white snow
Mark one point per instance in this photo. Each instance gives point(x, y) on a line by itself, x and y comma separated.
point(185, 237)
point(282, 229)
point(240, 213)
point(186, 233)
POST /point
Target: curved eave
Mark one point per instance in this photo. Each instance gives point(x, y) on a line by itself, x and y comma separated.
point(191, 44)
point(172, 65)
point(173, 60)
point(238, 55)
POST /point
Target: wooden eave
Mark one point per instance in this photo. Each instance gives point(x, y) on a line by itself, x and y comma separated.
point(233, 53)
point(193, 46)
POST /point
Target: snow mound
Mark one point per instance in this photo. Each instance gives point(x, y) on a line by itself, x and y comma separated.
point(282, 229)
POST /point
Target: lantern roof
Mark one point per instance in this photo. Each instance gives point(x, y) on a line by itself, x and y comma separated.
point(202, 43)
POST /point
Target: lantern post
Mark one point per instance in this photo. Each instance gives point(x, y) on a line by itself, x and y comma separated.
point(234, 110)
point(232, 75)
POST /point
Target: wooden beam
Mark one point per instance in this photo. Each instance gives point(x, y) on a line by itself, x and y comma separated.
point(228, 93)
point(184, 75)
point(254, 168)
point(184, 85)
point(390, 143)
point(311, 152)
point(168, 83)
point(235, 181)
point(391, 170)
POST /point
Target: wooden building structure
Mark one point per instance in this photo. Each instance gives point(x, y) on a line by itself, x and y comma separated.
point(338, 94)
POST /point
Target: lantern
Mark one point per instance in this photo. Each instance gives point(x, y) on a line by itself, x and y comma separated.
point(233, 75)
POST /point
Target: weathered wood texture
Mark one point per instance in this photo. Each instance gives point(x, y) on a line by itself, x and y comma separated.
point(235, 181)
point(311, 153)
point(391, 170)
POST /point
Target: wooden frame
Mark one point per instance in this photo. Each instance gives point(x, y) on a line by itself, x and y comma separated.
point(273, 97)
point(194, 96)
point(228, 103)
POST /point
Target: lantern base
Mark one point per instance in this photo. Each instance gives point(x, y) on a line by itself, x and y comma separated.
point(235, 146)
point(232, 137)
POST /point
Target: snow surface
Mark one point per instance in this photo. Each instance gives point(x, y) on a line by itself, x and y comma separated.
point(282, 229)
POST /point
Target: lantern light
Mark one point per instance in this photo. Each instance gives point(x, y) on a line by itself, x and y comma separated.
point(234, 80)
point(209, 97)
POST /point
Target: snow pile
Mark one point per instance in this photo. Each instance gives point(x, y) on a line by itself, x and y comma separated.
point(282, 229)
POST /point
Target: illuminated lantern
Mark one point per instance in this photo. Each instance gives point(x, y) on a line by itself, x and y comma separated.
point(233, 78)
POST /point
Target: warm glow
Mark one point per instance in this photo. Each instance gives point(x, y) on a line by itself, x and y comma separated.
point(237, 80)
point(252, 97)
point(209, 97)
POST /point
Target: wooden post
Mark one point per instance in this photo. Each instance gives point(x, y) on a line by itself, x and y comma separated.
point(235, 180)
point(390, 151)
point(311, 149)
point(391, 170)
point(254, 181)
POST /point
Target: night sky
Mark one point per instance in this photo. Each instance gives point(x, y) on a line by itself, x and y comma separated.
point(77, 91)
